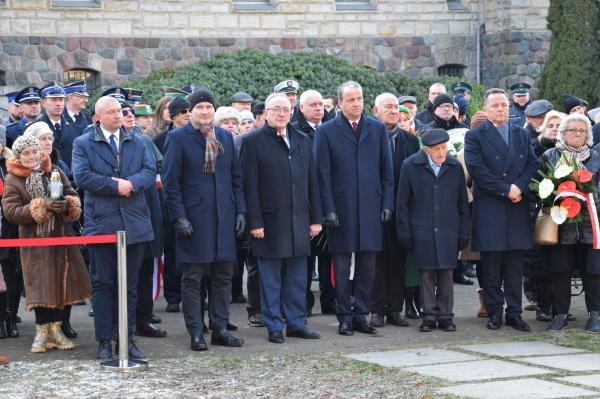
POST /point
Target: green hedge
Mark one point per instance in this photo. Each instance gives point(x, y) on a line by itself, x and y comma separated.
point(256, 73)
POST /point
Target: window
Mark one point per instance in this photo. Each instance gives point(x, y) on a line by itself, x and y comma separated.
point(455, 70)
point(91, 78)
point(253, 5)
point(342, 5)
point(76, 3)
point(455, 5)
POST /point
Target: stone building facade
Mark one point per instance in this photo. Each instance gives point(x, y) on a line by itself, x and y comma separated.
point(112, 41)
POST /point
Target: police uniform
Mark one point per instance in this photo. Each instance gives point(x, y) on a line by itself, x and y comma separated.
point(289, 86)
point(516, 113)
point(117, 93)
point(11, 99)
point(28, 94)
point(81, 119)
point(464, 89)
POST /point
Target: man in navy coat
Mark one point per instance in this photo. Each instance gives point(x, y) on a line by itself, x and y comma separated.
point(203, 187)
point(284, 212)
point(501, 162)
point(114, 169)
point(356, 179)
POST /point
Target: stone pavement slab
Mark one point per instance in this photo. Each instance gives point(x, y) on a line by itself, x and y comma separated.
point(413, 357)
point(580, 362)
point(519, 349)
point(592, 380)
point(477, 370)
point(530, 388)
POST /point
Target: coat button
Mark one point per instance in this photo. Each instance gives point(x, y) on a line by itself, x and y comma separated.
point(521, 156)
point(435, 229)
point(435, 186)
point(437, 208)
point(504, 175)
point(497, 157)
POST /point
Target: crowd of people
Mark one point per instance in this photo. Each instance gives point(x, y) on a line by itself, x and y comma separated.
point(290, 189)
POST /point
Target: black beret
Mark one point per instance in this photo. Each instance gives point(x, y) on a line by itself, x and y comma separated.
point(571, 101)
point(202, 96)
point(442, 99)
point(177, 105)
point(538, 108)
point(433, 137)
point(258, 108)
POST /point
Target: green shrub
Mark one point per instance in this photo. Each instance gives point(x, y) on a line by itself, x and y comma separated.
point(256, 73)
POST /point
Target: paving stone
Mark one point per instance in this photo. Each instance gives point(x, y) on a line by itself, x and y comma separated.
point(592, 380)
point(477, 370)
point(582, 362)
point(413, 357)
point(530, 388)
point(520, 349)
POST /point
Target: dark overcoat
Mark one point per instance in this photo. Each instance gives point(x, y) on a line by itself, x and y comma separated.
point(156, 246)
point(432, 212)
point(82, 120)
point(94, 165)
point(282, 192)
point(63, 142)
point(209, 201)
point(356, 180)
point(15, 130)
point(405, 145)
point(499, 224)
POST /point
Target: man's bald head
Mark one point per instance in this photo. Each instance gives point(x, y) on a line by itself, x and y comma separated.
point(108, 113)
point(311, 106)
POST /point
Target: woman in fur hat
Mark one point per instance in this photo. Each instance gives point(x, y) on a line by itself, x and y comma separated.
point(54, 276)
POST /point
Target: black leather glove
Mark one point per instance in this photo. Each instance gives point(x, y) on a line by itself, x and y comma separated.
point(462, 244)
point(386, 215)
point(183, 227)
point(331, 220)
point(56, 206)
point(405, 243)
point(240, 224)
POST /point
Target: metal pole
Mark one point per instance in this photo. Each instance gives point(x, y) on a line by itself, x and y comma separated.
point(123, 364)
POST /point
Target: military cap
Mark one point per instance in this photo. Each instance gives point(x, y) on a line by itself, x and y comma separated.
point(461, 87)
point(192, 87)
point(407, 99)
point(538, 108)
point(52, 89)
point(117, 93)
point(520, 89)
point(11, 96)
point(287, 86)
point(28, 94)
point(258, 108)
point(241, 97)
point(433, 137)
point(78, 88)
point(133, 95)
point(143, 109)
point(175, 92)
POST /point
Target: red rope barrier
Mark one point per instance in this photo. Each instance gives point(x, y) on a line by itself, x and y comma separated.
point(54, 241)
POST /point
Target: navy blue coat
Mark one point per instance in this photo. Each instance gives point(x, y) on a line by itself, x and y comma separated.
point(82, 120)
point(282, 192)
point(63, 142)
point(94, 164)
point(15, 130)
point(432, 211)
point(209, 201)
point(499, 224)
point(356, 181)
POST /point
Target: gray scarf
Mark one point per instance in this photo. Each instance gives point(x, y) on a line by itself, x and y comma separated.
point(580, 154)
point(34, 185)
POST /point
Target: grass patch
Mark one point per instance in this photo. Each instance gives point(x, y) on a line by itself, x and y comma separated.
point(571, 338)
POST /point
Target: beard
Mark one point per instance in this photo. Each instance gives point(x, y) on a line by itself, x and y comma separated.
point(202, 127)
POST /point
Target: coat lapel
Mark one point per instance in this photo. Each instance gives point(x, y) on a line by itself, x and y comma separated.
point(103, 150)
point(344, 129)
point(364, 127)
point(492, 135)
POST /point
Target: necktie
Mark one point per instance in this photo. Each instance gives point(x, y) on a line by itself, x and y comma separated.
point(113, 143)
point(57, 130)
point(504, 133)
point(354, 127)
point(282, 135)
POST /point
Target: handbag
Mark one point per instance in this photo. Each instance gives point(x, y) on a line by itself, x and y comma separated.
point(545, 231)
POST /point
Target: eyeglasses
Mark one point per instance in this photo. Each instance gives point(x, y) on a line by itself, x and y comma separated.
point(280, 110)
point(126, 112)
point(184, 112)
point(446, 106)
point(577, 131)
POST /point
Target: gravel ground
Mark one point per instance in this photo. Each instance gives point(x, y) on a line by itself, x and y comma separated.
point(281, 376)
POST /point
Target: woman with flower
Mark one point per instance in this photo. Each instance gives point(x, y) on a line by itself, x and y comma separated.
point(574, 160)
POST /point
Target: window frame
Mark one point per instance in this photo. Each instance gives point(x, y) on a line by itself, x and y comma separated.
point(76, 3)
point(354, 5)
point(250, 5)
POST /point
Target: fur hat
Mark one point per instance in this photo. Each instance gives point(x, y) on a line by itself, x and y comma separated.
point(23, 142)
point(224, 113)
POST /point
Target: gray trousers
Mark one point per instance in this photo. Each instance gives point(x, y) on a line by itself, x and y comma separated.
point(220, 274)
point(437, 294)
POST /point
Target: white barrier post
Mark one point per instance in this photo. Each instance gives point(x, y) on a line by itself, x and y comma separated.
point(123, 363)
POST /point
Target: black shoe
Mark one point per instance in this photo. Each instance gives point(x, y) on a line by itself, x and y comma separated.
point(256, 321)
point(427, 326)
point(65, 327)
point(363, 327)
point(12, 331)
point(560, 321)
point(19, 320)
point(231, 327)
point(328, 309)
point(239, 299)
point(197, 343)
point(104, 350)
point(345, 328)
point(91, 311)
point(172, 308)
point(134, 352)
point(517, 323)
point(396, 319)
point(495, 322)
point(446, 325)
point(412, 312)
point(154, 319)
point(593, 323)
point(149, 330)
point(305, 333)
point(541, 315)
point(571, 317)
point(463, 280)
point(276, 337)
point(224, 338)
point(377, 320)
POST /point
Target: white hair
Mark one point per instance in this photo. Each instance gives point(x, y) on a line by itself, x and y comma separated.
point(438, 85)
point(383, 97)
point(308, 94)
point(103, 102)
point(273, 96)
